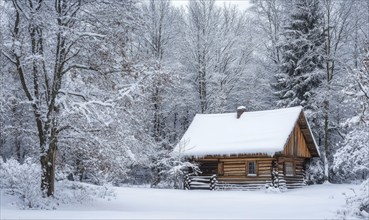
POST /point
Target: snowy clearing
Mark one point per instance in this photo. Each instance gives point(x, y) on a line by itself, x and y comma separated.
point(311, 202)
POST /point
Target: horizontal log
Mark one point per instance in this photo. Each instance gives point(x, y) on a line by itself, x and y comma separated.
point(293, 179)
point(241, 156)
point(268, 169)
point(262, 178)
point(262, 160)
point(199, 178)
point(238, 188)
point(234, 166)
point(234, 174)
point(245, 159)
point(296, 184)
point(264, 171)
point(243, 183)
point(237, 175)
point(291, 158)
point(223, 185)
point(265, 175)
point(265, 162)
point(265, 165)
point(233, 161)
point(199, 184)
point(235, 170)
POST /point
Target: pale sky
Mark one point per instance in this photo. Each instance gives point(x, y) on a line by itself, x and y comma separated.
point(241, 4)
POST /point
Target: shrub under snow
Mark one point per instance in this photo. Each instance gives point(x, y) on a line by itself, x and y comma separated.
point(351, 161)
point(358, 204)
point(23, 181)
point(172, 171)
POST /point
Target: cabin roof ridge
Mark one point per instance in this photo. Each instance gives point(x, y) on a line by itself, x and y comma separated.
point(265, 131)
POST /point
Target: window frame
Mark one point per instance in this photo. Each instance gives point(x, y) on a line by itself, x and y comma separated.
point(292, 168)
point(248, 168)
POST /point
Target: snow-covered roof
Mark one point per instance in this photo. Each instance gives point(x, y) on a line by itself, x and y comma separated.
point(254, 132)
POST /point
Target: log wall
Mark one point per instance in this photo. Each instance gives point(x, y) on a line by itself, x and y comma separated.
point(232, 171)
point(297, 179)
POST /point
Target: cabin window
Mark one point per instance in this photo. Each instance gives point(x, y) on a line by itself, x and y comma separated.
point(251, 168)
point(288, 169)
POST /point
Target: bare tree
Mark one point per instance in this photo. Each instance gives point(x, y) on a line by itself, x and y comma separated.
point(44, 45)
point(336, 22)
point(202, 26)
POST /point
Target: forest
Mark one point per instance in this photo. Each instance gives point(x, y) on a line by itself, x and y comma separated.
point(101, 91)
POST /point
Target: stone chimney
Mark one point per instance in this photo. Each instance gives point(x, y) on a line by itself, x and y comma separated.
point(240, 110)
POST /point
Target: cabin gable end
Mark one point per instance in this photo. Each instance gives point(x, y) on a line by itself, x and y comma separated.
point(296, 145)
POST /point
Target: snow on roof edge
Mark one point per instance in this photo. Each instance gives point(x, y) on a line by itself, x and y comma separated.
point(312, 136)
point(180, 151)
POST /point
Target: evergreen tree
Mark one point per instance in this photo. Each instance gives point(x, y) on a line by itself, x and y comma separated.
point(302, 45)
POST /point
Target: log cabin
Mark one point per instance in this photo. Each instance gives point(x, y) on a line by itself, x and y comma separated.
point(249, 150)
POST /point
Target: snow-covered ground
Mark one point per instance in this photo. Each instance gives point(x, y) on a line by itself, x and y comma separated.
point(311, 202)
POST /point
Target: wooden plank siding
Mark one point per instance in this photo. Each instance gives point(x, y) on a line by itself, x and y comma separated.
point(309, 139)
point(296, 145)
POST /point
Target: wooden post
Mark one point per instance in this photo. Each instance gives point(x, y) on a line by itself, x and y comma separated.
point(187, 182)
point(213, 182)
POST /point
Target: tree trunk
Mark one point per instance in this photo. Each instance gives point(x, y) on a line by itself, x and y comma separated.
point(326, 139)
point(202, 91)
point(48, 171)
point(48, 163)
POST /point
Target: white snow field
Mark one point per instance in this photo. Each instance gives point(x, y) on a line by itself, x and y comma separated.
point(310, 202)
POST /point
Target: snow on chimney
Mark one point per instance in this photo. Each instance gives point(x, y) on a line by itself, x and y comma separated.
point(240, 110)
